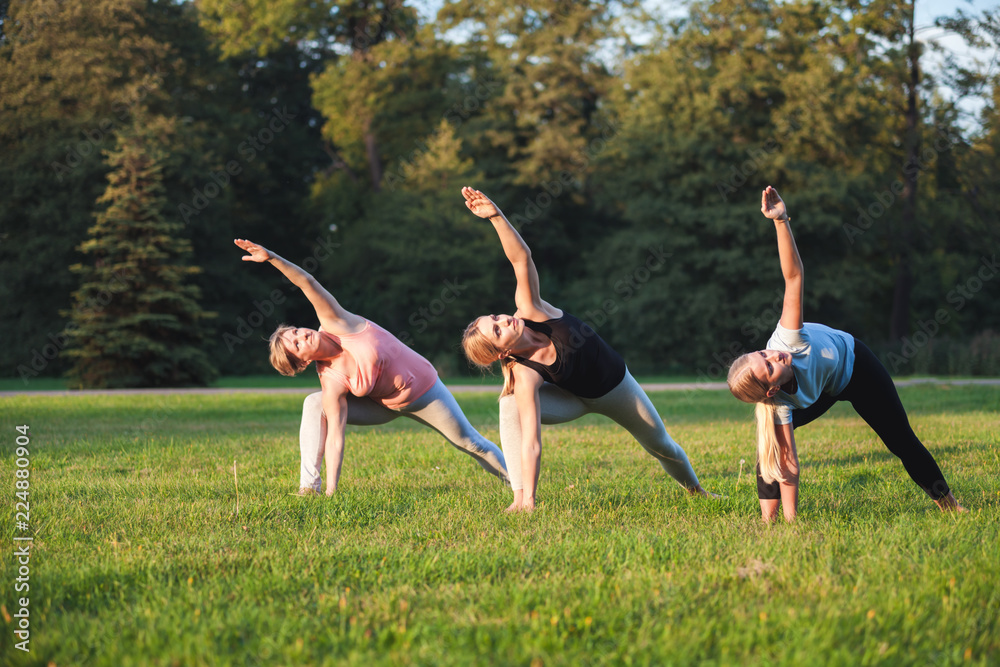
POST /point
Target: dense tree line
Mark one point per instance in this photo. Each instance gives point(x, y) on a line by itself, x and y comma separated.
point(140, 137)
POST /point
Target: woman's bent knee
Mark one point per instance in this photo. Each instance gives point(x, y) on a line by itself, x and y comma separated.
point(313, 403)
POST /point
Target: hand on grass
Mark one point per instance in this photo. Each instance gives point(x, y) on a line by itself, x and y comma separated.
point(523, 507)
point(521, 504)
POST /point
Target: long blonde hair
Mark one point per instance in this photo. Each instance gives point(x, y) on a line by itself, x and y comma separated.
point(284, 361)
point(480, 351)
point(747, 387)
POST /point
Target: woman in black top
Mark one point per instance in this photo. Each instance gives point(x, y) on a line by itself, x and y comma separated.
point(556, 369)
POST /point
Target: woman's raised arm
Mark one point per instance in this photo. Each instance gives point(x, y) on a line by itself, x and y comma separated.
point(332, 316)
point(527, 297)
point(772, 206)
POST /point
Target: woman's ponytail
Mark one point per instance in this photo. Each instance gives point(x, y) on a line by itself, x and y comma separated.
point(768, 448)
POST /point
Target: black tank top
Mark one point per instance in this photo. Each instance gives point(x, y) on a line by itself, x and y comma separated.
point(585, 365)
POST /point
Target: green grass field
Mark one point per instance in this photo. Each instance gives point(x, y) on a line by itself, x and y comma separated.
point(145, 553)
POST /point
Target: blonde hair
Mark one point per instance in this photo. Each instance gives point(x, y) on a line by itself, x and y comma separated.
point(284, 361)
point(480, 351)
point(749, 388)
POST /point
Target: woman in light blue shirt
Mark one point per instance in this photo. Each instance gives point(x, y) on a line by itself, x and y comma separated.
point(805, 369)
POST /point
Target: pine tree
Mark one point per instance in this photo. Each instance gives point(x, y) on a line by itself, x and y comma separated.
point(136, 321)
point(71, 74)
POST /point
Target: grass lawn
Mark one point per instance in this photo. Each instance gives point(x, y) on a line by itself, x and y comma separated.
point(147, 552)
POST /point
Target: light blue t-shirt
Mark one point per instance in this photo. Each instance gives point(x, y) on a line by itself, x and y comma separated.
point(822, 361)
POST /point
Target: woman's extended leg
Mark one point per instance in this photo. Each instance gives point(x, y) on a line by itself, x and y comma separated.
point(630, 407)
point(874, 397)
point(556, 405)
point(312, 432)
point(438, 409)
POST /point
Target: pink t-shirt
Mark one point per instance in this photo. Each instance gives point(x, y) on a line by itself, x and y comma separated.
point(388, 371)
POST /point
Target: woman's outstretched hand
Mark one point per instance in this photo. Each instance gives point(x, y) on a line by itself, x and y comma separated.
point(479, 203)
point(771, 205)
point(256, 253)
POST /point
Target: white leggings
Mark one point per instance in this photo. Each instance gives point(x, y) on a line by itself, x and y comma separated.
point(627, 404)
point(437, 408)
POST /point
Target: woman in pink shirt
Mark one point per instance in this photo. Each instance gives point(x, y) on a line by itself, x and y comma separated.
point(367, 376)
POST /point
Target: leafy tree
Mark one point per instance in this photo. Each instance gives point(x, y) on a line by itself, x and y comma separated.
point(738, 95)
point(227, 172)
point(978, 81)
point(890, 27)
point(547, 67)
point(242, 162)
point(339, 132)
point(136, 321)
point(71, 74)
point(551, 57)
point(365, 48)
point(381, 101)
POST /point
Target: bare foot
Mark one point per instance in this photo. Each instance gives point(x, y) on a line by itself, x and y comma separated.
point(514, 507)
point(699, 491)
point(949, 504)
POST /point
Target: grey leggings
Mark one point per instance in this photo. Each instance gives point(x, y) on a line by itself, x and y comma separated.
point(627, 404)
point(437, 408)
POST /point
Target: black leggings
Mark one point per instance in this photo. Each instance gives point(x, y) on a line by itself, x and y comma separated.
point(874, 397)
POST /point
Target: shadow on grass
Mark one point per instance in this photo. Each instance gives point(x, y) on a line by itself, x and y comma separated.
point(879, 455)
